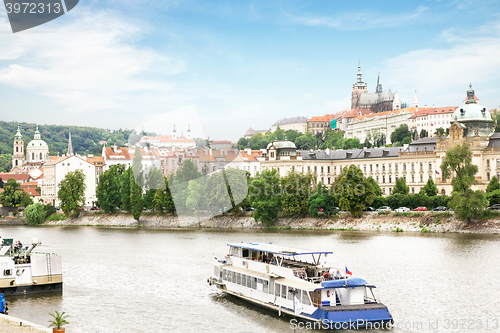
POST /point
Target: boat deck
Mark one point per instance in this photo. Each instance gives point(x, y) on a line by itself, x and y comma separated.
point(356, 307)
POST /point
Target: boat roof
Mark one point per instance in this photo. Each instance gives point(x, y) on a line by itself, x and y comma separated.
point(275, 249)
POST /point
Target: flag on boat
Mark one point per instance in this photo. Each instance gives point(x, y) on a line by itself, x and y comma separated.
point(347, 271)
point(298, 306)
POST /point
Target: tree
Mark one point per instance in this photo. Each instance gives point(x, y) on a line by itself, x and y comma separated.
point(354, 191)
point(401, 134)
point(136, 183)
point(243, 143)
point(35, 214)
point(295, 191)
point(493, 185)
point(163, 199)
point(125, 189)
point(72, 193)
point(439, 131)
point(321, 199)
point(466, 202)
point(108, 190)
point(495, 116)
point(14, 196)
point(154, 181)
point(423, 133)
point(265, 196)
point(376, 188)
point(401, 187)
point(430, 189)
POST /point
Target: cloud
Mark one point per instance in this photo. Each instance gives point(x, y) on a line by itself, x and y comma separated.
point(360, 20)
point(91, 63)
point(443, 74)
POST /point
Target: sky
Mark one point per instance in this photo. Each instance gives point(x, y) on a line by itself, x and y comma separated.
point(225, 66)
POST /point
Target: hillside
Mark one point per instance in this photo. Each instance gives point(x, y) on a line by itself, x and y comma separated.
point(85, 139)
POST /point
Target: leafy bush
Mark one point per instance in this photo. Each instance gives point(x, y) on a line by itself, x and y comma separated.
point(49, 210)
point(384, 212)
point(35, 214)
point(408, 214)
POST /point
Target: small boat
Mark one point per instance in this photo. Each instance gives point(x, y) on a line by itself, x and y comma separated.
point(293, 282)
point(25, 271)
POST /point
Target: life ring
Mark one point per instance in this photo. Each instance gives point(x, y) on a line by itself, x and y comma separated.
point(326, 276)
point(302, 275)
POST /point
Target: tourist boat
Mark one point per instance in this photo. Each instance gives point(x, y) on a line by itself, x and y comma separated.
point(26, 271)
point(293, 282)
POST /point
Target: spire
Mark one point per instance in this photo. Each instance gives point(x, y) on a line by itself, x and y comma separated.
point(378, 89)
point(471, 98)
point(175, 133)
point(359, 80)
point(70, 146)
point(189, 131)
point(18, 134)
point(37, 134)
point(415, 100)
point(396, 104)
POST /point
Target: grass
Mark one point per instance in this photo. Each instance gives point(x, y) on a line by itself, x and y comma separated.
point(411, 214)
point(384, 212)
point(398, 229)
point(442, 214)
point(56, 217)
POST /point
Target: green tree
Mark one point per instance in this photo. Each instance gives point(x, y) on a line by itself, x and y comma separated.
point(14, 196)
point(196, 198)
point(466, 202)
point(125, 189)
point(493, 185)
point(163, 199)
point(108, 190)
point(295, 191)
point(439, 131)
point(5, 162)
point(376, 188)
point(35, 214)
point(322, 198)
point(72, 193)
point(401, 187)
point(136, 183)
point(265, 196)
point(495, 116)
point(430, 189)
point(243, 143)
point(423, 133)
point(401, 134)
point(493, 197)
point(354, 191)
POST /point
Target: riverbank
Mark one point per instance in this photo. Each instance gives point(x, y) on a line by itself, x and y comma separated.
point(15, 325)
point(407, 222)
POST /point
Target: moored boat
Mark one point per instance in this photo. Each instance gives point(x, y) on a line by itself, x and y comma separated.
point(24, 270)
point(295, 283)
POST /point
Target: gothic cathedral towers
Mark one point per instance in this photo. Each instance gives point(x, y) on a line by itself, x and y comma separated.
point(358, 88)
point(18, 159)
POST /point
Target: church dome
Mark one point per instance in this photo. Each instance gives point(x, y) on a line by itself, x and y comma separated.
point(37, 144)
point(474, 116)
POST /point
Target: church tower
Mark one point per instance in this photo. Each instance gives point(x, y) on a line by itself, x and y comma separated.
point(358, 88)
point(189, 132)
point(174, 135)
point(18, 159)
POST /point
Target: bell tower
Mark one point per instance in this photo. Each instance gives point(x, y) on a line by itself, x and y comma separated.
point(358, 88)
point(18, 159)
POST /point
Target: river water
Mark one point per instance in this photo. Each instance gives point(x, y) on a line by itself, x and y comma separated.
point(149, 280)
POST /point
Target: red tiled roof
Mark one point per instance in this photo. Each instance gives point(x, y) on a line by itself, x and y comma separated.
point(428, 111)
point(352, 113)
point(96, 160)
point(17, 177)
point(323, 118)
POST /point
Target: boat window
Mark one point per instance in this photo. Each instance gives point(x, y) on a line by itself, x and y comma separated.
point(305, 298)
point(233, 274)
point(224, 274)
point(265, 287)
point(290, 293)
point(245, 253)
point(249, 281)
point(238, 277)
point(283, 291)
point(243, 280)
point(254, 283)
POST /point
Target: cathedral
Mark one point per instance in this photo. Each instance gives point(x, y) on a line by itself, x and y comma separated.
point(37, 152)
point(379, 101)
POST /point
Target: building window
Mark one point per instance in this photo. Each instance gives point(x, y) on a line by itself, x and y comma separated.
point(412, 178)
point(412, 166)
point(412, 190)
point(377, 179)
point(376, 167)
point(443, 192)
point(383, 167)
point(315, 169)
point(371, 167)
point(430, 166)
point(328, 169)
point(396, 167)
point(421, 166)
point(364, 168)
point(308, 168)
point(321, 169)
point(383, 179)
point(390, 179)
point(390, 190)
point(487, 163)
point(17, 149)
point(383, 190)
point(488, 176)
point(404, 166)
point(421, 178)
point(328, 180)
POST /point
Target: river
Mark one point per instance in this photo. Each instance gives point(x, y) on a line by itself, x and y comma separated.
point(151, 280)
